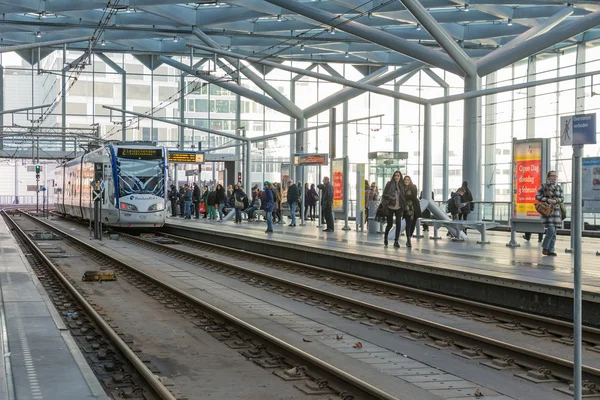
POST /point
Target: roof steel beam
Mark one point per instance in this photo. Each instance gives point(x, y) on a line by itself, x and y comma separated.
point(441, 36)
point(43, 44)
point(385, 39)
point(334, 79)
point(257, 80)
point(115, 67)
point(374, 79)
point(533, 44)
point(250, 94)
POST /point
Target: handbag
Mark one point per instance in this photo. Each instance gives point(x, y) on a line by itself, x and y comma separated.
point(203, 207)
point(383, 209)
point(544, 208)
point(315, 197)
point(239, 205)
point(563, 211)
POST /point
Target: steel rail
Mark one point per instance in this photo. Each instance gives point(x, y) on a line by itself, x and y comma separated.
point(325, 366)
point(547, 322)
point(152, 379)
point(528, 358)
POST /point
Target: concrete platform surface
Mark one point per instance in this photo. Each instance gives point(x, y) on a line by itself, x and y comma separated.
point(38, 356)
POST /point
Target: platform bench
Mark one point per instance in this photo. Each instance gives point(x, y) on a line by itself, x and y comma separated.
point(458, 225)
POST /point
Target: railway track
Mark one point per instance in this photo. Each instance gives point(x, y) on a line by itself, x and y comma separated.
point(318, 374)
point(122, 373)
point(539, 366)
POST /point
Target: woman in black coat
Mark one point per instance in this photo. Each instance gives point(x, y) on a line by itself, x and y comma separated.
point(412, 207)
point(220, 200)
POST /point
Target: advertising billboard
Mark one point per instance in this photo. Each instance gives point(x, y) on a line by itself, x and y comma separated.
point(590, 176)
point(285, 177)
point(527, 178)
point(337, 172)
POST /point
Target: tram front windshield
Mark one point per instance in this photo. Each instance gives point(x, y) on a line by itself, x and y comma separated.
point(144, 176)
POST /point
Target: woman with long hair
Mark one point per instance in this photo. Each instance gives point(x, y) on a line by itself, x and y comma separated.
point(220, 200)
point(393, 194)
point(412, 207)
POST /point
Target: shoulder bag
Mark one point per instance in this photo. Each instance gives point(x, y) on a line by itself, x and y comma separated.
point(543, 208)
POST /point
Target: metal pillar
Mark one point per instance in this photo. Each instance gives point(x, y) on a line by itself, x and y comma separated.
point(300, 124)
point(181, 139)
point(580, 83)
point(63, 95)
point(1, 104)
point(472, 141)
point(293, 135)
point(247, 167)
point(427, 156)
point(396, 123)
point(446, 147)
point(490, 138)
point(124, 106)
point(531, 70)
point(16, 182)
point(576, 222)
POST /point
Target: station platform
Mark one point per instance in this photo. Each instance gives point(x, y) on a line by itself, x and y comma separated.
point(38, 357)
point(520, 278)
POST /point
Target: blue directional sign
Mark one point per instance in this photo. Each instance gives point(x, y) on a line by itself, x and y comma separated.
point(102, 185)
point(578, 130)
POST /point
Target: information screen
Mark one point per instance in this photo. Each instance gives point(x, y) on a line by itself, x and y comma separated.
point(311, 159)
point(185, 157)
point(140, 154)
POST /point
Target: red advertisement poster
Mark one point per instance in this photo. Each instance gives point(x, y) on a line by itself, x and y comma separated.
point(338, 184)
point(527, 178)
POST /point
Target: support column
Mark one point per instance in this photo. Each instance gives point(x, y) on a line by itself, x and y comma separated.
point(300, 124)
point(63, 96)
point(531, 70)
point(427, 156)
point(580, 83)
point(446, 147)
point(490, 137)
point(472, 141)
point(181, 139)
point(247, 167)
point(1, 105)
point(124, 106)
point(396, 122)
point(293, 175)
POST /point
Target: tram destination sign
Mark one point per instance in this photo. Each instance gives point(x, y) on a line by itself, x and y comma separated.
point(311, 159)
point(139, 154)
point(191, 157)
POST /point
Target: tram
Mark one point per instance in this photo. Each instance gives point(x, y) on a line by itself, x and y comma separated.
point(134, 179)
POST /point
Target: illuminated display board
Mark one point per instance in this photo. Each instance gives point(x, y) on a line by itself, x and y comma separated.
point(140, 154)
point(186, 157)
point(311, 159)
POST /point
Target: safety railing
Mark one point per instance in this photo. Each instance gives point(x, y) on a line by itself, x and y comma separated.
point(25, 200)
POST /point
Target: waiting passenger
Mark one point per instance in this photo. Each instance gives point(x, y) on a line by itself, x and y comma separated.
point(238, 203)
point(181, 202)
point(276, 203)
point(173, 195)
point(393, 195)
point(204, 200)
point(468, 199)
point(268, 200)
point(196, 197)
point(187, 201)
point(220, 200)
point(312, 197)
point(254, 205)
point(292, 200)
point(327, 202)
point(552, 194)
point(455, 203)
point(211, 201)
point(412, 208)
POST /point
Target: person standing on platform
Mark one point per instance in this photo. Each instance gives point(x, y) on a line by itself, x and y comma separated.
point(187, 201)
point(173, 199)
point(220, 200)
point(211, 202)
point(306, 201)
point(181, 202)
point(268, 201)
point(467, 198)
point(371, 194)
point(238, 198)
point(455, 203)
point(292, 200)
point(327, 203)
point(552, 194)
point(311, 201)
point(393, 194)
point(412, 208)
point(204, 200)
point(196, 195)
point(276, 203)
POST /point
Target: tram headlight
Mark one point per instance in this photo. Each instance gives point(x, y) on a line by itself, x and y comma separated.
point(128, 207)
point(157, 207)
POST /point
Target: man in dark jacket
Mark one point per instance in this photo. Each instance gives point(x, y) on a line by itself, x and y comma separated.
point(327, 202)
point(292, 199)
point(173, 200)
point(181, 202)
point(196, 195)
point(269, 204)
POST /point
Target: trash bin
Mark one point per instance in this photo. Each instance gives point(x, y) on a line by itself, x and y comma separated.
point(373, 226)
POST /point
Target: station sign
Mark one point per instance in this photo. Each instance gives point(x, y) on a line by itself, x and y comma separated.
point(578, 130)
point(311, 159)
point(191, 157)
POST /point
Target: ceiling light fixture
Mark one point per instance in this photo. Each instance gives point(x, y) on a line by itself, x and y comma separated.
point(369, 15)
point(278, 17)
point(43, 14)
point(228, 48)
point(103, 43)
point(346, 55)
point(510, 22)
point(418, 27)
point(301, 47)
point(128, 9)
point(175, 39)
point(332, 31)
point(218, 4)
point(38, 34)
point(466, 7)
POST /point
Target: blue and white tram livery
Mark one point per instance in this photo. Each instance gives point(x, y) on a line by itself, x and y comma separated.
point(135, 185)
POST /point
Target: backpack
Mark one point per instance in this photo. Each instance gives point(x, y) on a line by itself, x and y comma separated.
point(451, 205)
